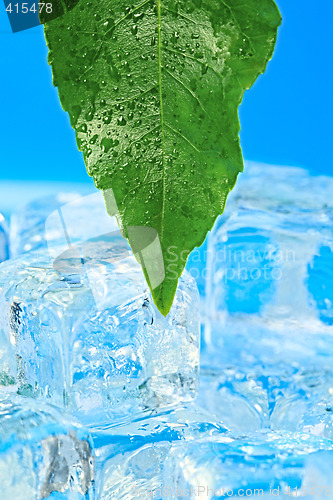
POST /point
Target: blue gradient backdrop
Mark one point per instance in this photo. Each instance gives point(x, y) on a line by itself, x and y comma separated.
point(286, 118)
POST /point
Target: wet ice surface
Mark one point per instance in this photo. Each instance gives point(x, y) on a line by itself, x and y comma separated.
point(271, 253)
point(79, 329)
point(43, 452)
point(94, 342)
point(232, 465)
point(269, 332)
point(28, 231)
point(267, 394)
point(130, 457)
point(185, 454)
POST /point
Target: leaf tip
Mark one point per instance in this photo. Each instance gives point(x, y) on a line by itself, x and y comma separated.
point(164, 295)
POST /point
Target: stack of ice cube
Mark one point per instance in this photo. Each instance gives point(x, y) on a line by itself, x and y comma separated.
point(79, 319)
point(79, 330)
point(269, 329)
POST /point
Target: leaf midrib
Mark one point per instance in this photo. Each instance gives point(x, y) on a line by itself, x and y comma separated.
point(159, 14)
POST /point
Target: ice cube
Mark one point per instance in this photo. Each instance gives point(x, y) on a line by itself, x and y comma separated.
point(131, 456)
point(306, 402)
point(237, 399)
point(268, 308)
point(55, 220)
point(268, 258)
point(4, 245)
point(134, 474)
point(93, 341)
point(260, 464)
point(43, 453)
point(251, 397)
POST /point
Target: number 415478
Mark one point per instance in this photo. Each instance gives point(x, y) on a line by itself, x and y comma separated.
point(24, 8)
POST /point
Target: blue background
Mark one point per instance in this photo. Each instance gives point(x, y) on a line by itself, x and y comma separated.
point(285, 117)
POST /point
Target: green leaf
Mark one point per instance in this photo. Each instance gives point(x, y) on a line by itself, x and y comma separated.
point(152, 90)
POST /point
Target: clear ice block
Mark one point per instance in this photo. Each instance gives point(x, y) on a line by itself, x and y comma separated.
point(131, 456)
point(264, 465)
point(268, 346)
point(251, 397)
point(94, 342)
point(27, 228)
point(42, 453)
point(4, 244)
point(35, 227)
point(271, 254)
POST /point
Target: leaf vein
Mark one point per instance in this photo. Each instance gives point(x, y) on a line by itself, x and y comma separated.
point(183, 137)
point(188, 90)
point(126, 16)
point(138, 140)
point(180, 15)
point(224, 2)
point(134, 97)
point(187, 56)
